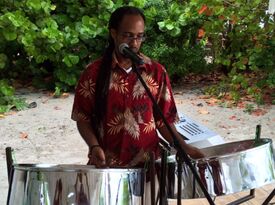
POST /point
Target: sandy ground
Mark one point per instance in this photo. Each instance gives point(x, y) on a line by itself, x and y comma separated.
point(46, 134)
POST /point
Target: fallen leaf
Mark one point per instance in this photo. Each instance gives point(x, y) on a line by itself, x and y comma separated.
point(2, 116)
point(227, 97)
point(57, 108)
point(50, 94)
point(45, 100)
point(223, 126)
point(201, 33)
point(245, 61)
point(23, 135)
point(65, 95)
point(10, 113)
point(204, 97)
point(242, 105)
point(233, 117)
point(234, 19)
point(202, 9)
point(212, 101)
point(203, 111)
point(221, 17)
point(31, 88)
point(179, 101)
point(258, 112)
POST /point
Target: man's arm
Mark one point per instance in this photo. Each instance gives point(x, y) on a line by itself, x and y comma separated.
point(96, 155)
point(87, 133)
point(192, 151)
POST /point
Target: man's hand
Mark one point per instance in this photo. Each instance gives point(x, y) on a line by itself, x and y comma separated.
point(194, 152)
point(97, 157)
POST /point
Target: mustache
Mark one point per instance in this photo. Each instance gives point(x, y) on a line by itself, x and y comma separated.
point(134, 49)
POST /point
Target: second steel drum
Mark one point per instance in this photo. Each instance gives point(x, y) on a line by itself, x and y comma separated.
point(42, 184)
point(227, 168)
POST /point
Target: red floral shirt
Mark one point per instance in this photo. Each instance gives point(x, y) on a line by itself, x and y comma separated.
point(129, 128)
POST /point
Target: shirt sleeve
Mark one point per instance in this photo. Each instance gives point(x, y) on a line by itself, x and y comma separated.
point(165, 100)
point(84, 96)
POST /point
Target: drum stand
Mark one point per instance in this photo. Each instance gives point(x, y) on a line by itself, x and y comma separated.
point(181, 152)
point(179, 160)
point(270, 196)
point(10, 163)
point(244, 199)
point(251, 196)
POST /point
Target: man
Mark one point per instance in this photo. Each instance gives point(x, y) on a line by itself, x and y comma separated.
point(113, 112)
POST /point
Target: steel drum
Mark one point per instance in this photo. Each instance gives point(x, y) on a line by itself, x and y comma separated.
point(227, 168)
point(40, 184)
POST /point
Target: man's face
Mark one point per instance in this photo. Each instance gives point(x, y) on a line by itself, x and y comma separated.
point(130, 31)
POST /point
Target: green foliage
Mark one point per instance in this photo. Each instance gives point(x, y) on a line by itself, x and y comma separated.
point(249, 108)
point(5, 89)
point(42, 38)
point(243, 42)
point(172, 37)
point(49, 39)
point(7, 99)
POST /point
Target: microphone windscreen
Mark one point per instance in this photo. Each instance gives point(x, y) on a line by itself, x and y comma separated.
point(122, 47)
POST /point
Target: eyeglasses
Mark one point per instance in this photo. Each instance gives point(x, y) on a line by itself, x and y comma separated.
point(131, 37)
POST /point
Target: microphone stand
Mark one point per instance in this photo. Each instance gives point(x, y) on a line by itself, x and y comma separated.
point(176, 144)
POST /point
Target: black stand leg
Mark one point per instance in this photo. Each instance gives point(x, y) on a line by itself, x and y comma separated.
point(163, 195)
point(268, 199)
point(10, 162)
point(152, 178)
point(179, 162)
point(244, 199)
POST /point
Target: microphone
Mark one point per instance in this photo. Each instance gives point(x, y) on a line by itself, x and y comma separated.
point(127, 52)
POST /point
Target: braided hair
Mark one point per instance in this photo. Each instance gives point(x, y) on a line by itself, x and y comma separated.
point(103, 79)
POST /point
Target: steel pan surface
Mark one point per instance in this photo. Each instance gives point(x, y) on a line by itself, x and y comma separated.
point(227, 168)
point(45, 184)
